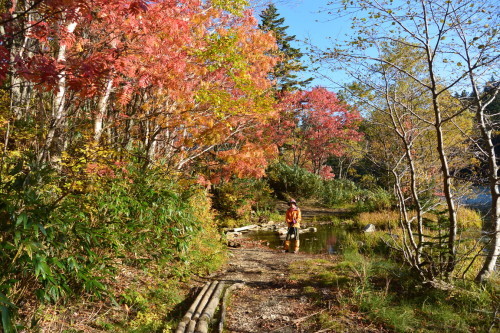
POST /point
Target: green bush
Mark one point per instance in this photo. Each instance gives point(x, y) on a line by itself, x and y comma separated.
point(377, 199)
point(238, 197)
point(293, 181)
point(339, 191)
point(61, 236)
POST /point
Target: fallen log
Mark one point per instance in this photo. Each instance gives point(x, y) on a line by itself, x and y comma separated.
point(248, 227)
point(187, 317)
point(199, 309)
point(224, 304)
point(208, 312)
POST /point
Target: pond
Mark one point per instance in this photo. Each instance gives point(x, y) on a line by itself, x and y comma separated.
point(327, 239)
point(479, 199)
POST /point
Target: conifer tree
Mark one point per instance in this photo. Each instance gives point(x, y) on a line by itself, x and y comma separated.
point(285, 71)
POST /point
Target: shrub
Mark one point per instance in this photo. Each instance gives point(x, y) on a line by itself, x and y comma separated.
point(59, 240)
point(238, 197)
point(293, 181)
point(374, 200)
point(339, 191)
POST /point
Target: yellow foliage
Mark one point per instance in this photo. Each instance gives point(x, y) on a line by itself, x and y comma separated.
point(468, 218)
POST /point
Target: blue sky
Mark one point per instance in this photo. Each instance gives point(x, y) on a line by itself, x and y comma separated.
point(309, 20)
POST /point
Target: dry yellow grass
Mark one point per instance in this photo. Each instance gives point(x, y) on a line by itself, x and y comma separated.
point(467, 218)
point(382, 219)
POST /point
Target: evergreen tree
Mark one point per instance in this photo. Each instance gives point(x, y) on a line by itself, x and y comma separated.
point(285, 71)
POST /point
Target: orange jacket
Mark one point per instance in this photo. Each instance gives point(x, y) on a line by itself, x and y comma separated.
point(291, 215)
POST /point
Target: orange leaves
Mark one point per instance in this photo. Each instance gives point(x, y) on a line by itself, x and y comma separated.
point(179, 79)
point(247, 161)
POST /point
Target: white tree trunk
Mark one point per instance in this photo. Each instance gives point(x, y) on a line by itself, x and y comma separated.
point(101, 111)
point(59, 107)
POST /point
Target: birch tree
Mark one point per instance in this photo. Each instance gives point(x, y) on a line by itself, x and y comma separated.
point(436, 30)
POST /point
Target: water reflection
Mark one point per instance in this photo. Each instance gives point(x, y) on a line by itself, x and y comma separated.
point(327, 239)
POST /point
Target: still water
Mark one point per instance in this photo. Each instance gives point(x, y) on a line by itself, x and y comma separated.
point(328, 239)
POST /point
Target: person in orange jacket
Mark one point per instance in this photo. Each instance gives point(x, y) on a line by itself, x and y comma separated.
point(293, 217)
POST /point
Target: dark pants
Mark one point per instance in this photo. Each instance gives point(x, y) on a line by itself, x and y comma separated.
point(292, 231)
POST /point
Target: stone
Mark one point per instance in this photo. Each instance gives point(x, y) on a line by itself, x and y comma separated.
point(233, 244)
point(282, 231)
point(369, 228)
point(233, 235)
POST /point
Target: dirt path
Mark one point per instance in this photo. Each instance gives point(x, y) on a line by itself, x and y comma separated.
point(271, 301)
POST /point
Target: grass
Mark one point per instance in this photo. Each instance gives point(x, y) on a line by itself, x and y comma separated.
point(388, 294)
point(382, 219)
point(469, 218)
point(385, 219)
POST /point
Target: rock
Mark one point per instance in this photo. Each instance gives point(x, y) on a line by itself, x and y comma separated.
point(269, 317)
point(369, 228)
point(233, 244)
point(233, 235)
point(282, 231)
point(312, 229)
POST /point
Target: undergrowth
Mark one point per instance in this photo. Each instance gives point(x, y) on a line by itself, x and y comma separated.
point(389, 294)
point(80, 235)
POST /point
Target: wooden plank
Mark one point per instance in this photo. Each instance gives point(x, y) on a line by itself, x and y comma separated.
point(248, 227)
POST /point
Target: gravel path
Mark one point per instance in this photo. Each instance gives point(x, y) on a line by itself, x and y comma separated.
point(272, 302)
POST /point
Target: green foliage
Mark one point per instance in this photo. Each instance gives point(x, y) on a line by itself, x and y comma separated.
point(377, 199)
point(238, 197)
point(59, 240)
point(342, 191)
point(293, 181)
point(338, 192)
point(297, 182)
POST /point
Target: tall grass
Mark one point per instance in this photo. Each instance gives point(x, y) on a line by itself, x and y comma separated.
point(369, 279)
point(383, 219)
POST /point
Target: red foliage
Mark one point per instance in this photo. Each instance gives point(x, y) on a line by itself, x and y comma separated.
point(314, 125)
point(191, 73)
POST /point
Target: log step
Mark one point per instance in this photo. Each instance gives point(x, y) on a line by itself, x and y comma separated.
point(197, 318)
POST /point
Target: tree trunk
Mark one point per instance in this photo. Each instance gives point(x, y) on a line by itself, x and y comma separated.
point(59, 106)
point(101, 111)
point(494, 245)
point(494, 179)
